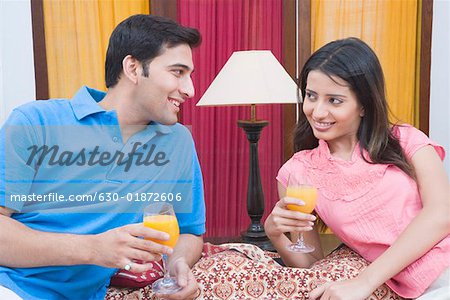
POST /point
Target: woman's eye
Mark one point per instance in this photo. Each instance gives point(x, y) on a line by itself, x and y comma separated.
point(309, 96)
point(178, 72)
point(335, 101)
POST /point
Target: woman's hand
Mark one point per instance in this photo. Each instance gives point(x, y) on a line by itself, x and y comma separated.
point(282, 220)
point(122, 246)
point(353, 289)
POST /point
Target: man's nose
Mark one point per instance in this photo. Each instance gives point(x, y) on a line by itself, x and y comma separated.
point(187, 88)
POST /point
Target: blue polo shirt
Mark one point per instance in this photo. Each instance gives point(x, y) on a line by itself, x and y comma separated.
point(65, 168)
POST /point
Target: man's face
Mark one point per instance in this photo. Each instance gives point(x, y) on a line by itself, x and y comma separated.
point(167, 86)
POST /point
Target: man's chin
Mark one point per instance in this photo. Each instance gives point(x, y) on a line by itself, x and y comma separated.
point(169, 123)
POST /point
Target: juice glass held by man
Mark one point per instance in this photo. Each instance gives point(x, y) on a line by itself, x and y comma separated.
point(165, 223)
point(161, 217)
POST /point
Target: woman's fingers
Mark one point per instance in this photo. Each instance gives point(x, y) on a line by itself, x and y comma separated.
point(291, 214)
point(288, 200)
point(292, 222)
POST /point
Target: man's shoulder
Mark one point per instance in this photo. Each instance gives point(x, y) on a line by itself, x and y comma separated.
point(43, 111)
point(181, 129)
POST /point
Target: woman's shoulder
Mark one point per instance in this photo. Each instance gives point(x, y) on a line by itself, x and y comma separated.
point(406, 131)
point(412, 139)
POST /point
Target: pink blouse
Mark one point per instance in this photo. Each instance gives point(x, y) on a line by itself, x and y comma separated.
point(369, 205)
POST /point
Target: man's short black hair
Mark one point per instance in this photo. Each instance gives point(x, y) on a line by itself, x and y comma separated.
point(144, 37)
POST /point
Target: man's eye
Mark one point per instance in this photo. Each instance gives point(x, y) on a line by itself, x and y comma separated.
point(178, 72)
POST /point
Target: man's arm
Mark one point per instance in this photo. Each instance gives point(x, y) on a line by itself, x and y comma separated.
point(189, 249)
point(23, 247)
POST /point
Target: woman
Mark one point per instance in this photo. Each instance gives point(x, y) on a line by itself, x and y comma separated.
point(382, 188)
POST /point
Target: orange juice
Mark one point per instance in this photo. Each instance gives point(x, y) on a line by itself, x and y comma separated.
point(306, 193)
point(165, 223)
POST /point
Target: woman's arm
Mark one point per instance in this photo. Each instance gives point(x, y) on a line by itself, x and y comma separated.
point(282, 220)
point(429, 227)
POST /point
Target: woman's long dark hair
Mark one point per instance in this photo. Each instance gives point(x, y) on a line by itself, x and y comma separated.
point(355, 62)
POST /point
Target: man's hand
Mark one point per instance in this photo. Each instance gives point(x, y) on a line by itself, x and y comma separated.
point(121, 246)
point(353, 289)
point(181, 270)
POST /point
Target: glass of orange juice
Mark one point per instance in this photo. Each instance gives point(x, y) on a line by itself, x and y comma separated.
point(298, 187)
point(161, 217)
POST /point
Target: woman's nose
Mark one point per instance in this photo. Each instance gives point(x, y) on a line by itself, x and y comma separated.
point(320, 110)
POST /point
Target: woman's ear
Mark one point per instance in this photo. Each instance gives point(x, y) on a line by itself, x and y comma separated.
point(362, 112)
point(130, 67)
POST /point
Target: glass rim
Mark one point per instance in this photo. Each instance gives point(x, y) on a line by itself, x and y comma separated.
point(163, 208)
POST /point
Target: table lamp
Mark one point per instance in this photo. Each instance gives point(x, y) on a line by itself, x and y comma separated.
point(250, 78)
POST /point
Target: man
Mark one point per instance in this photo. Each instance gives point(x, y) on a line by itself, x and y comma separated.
point(75, 175)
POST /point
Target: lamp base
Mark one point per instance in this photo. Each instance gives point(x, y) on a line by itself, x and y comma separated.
point(257, 237)
point(255, 197)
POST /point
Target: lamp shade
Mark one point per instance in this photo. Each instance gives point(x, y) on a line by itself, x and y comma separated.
point(251, 77)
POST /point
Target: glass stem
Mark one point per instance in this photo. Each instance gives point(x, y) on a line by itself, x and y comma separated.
point(300, 240)
point(166, 267)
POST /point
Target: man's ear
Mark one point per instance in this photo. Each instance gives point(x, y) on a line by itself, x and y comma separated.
point(130, 66)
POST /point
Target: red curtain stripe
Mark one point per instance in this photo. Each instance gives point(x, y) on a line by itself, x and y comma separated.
point(227, 26)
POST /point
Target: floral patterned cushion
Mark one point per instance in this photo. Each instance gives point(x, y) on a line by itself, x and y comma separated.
point(243, 271)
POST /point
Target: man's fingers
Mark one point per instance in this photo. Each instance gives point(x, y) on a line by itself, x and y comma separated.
point(150, 246)
point(185, 279)
point(182, 272)
point(140, 230)
point(144, 255)
point(137, 267)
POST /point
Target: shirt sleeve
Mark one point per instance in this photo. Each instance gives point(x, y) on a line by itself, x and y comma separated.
point(285, 171)
point(195, 221)
point(16, 169)
point(412, 139)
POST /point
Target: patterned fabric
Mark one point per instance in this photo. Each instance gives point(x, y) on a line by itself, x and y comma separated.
point(243, 271)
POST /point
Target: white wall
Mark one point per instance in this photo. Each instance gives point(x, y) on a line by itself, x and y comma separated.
point(440, 78)
point(17, 83)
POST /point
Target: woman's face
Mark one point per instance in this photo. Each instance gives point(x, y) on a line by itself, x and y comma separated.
point(331, 108)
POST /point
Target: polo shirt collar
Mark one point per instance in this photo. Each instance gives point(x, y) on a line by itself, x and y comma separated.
point(85, 102)
point(157, 127)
